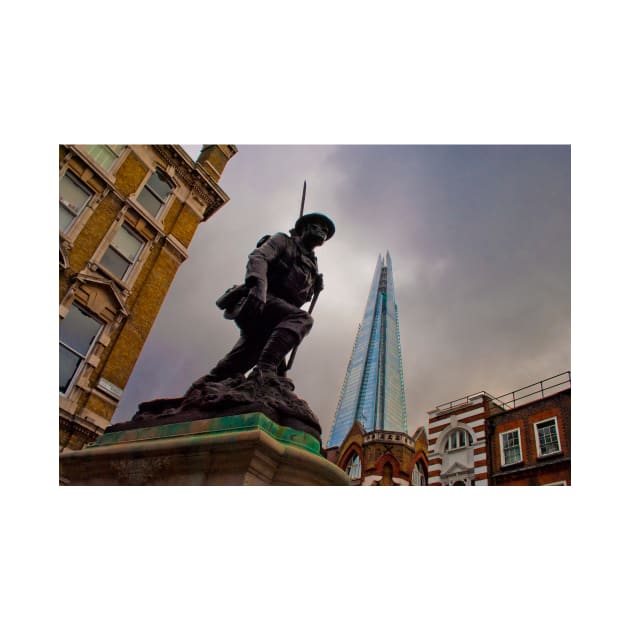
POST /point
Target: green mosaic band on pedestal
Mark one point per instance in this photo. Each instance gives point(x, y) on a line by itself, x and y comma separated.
point(226, 424)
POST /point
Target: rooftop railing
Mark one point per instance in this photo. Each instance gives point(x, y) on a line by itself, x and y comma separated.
point(535, 391)
point(522, 396)
point(460, 402)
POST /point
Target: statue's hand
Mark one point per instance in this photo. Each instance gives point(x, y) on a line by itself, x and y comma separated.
point(257, 289)
point(319, 283)
point(250, 310)
point(253, 307)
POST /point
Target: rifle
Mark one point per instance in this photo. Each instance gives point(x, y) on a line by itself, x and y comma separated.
point(310, 310)
point(315, 295)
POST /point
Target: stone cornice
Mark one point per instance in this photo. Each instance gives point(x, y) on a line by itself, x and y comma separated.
point(201, 185)
point(79, 425)
point(191, 174)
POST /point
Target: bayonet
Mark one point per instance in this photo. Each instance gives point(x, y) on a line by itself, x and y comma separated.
point(303, 198)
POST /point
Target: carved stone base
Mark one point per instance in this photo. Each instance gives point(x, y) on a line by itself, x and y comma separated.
point(249, 449)
point(272, 397)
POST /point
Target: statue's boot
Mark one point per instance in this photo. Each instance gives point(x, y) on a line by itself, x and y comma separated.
point(239, 360)
point(280, 342)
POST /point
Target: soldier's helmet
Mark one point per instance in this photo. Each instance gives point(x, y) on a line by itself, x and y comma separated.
point(316, 217)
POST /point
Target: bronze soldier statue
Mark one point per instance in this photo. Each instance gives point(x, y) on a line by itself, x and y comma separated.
point(281, 276)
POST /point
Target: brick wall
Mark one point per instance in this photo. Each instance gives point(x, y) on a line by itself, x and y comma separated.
point(533, 470)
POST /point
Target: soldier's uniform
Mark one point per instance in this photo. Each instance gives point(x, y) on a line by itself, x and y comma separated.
point(286, 276)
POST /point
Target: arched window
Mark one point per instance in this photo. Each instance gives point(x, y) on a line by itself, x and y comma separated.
point(353, 469)
point(458, 439)
point(417, 476)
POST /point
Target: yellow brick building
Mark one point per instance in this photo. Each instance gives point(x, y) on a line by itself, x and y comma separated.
point(127, 214)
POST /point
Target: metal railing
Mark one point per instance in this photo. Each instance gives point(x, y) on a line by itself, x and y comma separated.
point(460, 402)
point(535, 391)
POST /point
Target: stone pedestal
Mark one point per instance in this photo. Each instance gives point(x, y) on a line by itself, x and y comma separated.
point(248, 449)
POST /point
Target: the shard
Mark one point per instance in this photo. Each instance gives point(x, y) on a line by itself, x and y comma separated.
point(373, 390)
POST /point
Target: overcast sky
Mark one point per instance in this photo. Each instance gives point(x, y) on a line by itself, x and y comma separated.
point(480, 243)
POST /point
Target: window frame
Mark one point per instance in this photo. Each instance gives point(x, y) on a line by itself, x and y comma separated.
point(117, 155)
point(111, 245)
point(75, 179)
point(537, 437)
point(517, 430)
point(457, 432)
point(164, 201)
point(84, 358)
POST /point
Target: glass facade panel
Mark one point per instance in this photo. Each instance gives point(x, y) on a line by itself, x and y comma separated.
point(373, 390)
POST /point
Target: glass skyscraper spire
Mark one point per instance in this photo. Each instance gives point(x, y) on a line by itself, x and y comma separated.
point(373, 390)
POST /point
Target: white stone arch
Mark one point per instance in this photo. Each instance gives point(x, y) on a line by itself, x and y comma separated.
point(446, 431)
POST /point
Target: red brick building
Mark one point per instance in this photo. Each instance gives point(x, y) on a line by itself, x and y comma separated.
point(530, 445)
point(520, 438)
